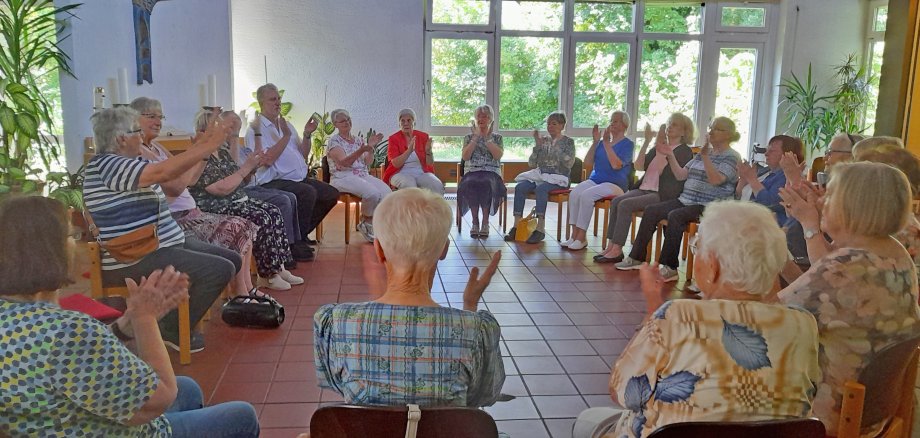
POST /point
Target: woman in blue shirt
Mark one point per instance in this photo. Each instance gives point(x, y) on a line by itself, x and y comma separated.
point(611, 161)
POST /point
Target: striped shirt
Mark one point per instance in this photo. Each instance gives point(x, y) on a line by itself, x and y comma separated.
point(383, 354)
point(118, 206)
point(698, 191)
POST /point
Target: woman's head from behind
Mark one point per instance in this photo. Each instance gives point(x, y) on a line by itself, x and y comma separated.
point(739, 248)
point(411, 226)
point(680, 128)
point(36, 256)
point(866, 199)
point(116, 131)
point(898, 157)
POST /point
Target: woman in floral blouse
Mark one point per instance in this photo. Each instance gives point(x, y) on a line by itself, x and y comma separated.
point(863, 291)
point(482, 187)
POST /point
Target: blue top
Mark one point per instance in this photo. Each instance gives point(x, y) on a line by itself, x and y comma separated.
point(604, 173)
point(769, 196)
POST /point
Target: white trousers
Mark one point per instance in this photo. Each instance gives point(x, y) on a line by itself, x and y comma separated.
point(425, 181)
point(371, 190)
point(582, 198)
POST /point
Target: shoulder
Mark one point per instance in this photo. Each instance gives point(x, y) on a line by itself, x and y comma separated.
point(395, 138)
point(420, 134)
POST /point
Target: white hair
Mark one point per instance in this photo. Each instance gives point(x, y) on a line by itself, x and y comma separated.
point(624, 116)
point(110, 123)
point(263, 90)
point(747, 242)
point(485, 109)
point(146, 104)
point(337, 112)
point(412, 226)
point(407, 112)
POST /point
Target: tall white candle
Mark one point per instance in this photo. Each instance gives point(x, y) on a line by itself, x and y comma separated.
point(112, 91)
point(202, 95)
point(123, 86)
point(98, 98)
point(212, 90)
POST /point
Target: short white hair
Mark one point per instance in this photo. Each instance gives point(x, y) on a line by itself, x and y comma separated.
point(337, 112)
point(485, 109)
point(624, 116)
point(412, 227)
point(406, 112)
point(111, 123)
point(747, 242)
point(264, 89)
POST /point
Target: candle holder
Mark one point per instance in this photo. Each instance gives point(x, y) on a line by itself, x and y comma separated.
point(120, 105)
point(218, 109)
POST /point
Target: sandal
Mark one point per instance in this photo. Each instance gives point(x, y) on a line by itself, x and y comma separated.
point(261, 296)
point(484, 231)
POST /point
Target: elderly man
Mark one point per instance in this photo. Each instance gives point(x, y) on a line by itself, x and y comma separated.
point(284, 166)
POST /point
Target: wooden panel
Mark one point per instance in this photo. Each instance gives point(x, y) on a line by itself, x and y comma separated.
point(911, 130)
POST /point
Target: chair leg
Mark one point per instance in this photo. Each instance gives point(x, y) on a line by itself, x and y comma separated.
point(357, 214)
point(504, 216)
point(632, 229)
point(559, 224)
point(347, 224)
point(596, 213)
point(185, 334)
point(604, 227)
point(659, 232)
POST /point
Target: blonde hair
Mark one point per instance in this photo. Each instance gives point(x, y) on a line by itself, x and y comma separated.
point(411, 226)
point(747, 242)
point(731, 127)
point(873, 199)
point(880, 141)
point(898, 157)
point(689, 128)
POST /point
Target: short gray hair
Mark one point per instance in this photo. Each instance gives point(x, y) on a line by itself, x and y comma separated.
point(407, 112)
point(202, 119)
point(412, 227)
point(485, 109)
point(558, 116)
point(624, 115)
point(146, 104)
point(747, 242)
point(261, 91)
point(110, 123)
point(336, 112)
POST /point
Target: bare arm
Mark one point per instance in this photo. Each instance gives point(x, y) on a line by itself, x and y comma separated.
point(173, 167)
point(713, 176)
point(639, 163)
point(230, 183)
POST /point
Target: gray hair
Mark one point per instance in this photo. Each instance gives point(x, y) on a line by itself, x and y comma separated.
point(111, 123)
point(485, 109)
point(202, 119)
point(747, 242)
point(337, 112)
point(412, 227)
point(261, 91)
point(624, 115)
point(146, 104)
point(407, 112)
point(558, 116)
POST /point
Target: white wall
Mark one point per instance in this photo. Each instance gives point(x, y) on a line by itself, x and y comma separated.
point(368, 54)
point(190, 39)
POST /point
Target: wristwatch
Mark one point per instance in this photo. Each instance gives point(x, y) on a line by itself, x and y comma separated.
point(809, 233)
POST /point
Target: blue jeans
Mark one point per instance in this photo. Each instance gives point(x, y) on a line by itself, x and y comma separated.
point(189, 418)
point(524, 188)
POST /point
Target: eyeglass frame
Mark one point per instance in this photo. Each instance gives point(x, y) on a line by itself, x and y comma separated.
point(154, 116)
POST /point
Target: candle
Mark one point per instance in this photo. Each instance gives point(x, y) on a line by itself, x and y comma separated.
point(123, 86)
point(112, 89)
point(202, 95)
point(212, 90)
point(98, 98)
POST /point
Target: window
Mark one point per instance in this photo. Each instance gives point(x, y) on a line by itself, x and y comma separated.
point(875, 49)
point(458, 79)
point(743, 17)
point(603, 16)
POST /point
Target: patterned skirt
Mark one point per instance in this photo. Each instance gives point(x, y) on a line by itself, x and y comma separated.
point(270, 247)
point(229, 232)
point(484, 189)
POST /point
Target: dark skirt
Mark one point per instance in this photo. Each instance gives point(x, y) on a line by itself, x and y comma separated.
point(482, 188)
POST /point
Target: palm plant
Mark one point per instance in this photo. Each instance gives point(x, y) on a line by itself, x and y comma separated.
point(29, 50)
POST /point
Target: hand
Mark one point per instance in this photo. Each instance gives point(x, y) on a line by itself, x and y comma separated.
point(256, 124)
point(285, 129)
point(253, 161)
point(791, 167)
point(647, 134)
point(157, 294)
point(489, 130)
point(374, 140)
point(310, 127)
point(213, 137)
point(795, 200)
point(608, 137)
point(411, 147)
point(596, 133)
point(536, 136)
point(747, 172)
point(651, 282)
point(707, 147)
point(477, 284)
point(661, 144)
point(474, 132)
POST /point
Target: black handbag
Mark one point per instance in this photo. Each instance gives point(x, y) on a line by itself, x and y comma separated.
point(251, 311)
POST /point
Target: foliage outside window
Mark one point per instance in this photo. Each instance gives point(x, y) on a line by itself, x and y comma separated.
point(743, 17)
point(532, 15)
point(529, 81)
point(460, 11)
point(603, 16)
point(458, 80)
point(673, 19)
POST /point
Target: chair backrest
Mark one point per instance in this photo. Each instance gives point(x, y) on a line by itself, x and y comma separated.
point(576, 175)
point(882, 376)
point(799, 428)
point(350, 421)
point(817, 165)
point(326, 175)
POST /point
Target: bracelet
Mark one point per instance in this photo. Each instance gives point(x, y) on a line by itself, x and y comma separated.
point(258, 134)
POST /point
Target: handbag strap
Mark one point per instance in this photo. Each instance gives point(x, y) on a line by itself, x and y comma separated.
point(415, 414)
point(94, 230)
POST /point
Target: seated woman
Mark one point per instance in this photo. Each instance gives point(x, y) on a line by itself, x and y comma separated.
point(709, 176)
point(550, 165)
point(482, 188)
point(611, 161)
point(453, 358)
point(123, 194)
point(64, 373)
point(219, 189)
point(410, 160)
point(863, 291)
point(658, 184)
point(235, 234)
point(349, 160)
point(762, 184)
point(732, 356)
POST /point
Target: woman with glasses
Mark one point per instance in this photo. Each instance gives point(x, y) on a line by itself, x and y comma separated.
point(709, 176)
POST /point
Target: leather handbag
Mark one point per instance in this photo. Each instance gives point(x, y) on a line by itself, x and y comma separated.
point(525, 226)
point(131, 246)
point(243, 311)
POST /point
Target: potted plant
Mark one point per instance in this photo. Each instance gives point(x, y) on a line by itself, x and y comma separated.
point(324, 130)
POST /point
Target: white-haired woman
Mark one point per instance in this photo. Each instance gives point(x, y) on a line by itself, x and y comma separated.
point(610, 157)
point(482, 188)
point(694, 360)
point(863, 292)
point(349, 160)
point(410, 160)
point(453, 356)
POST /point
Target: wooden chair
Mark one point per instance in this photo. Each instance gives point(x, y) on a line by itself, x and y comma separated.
point(503, 208)
point(685, 241)
point(885, 390)
point(98, 290)
point(347, 199)
point(350, 421)
point(816, 166)
point(561, 196)
point(798, 428)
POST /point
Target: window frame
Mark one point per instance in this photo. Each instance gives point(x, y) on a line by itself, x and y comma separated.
point(719, 27)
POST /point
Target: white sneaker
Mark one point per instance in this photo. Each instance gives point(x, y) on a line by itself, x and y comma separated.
point(567, 243)
point(289, 277)
point(275, 282)
point(366, 230)
point(578, 245)
point(668, 273)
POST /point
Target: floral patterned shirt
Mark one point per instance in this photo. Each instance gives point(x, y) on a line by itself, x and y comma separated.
point(358, 167)
point(863, 303)
point(217, 169)
point(716, 360)
point(910, 238)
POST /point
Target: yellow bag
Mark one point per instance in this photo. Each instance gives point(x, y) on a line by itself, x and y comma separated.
point(525, 226)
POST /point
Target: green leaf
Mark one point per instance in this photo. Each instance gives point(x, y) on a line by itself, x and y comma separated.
point(286, 108)
point(13, 88)
point(4, 188)
point(329, 129)
point(7, 119)
point(29, 186)
point(16, 173)
point(24, 103)
point(27, 124)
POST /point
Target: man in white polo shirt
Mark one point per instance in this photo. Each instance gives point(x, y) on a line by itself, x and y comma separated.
point(284, 166)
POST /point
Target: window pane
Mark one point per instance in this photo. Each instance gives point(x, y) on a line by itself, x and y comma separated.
point(743, 17)
point(668, 80)
point(601, 75)
point(532, 15)
point(673, 19)
point(881, 18)
point(603, 16)
point(458, 80)
point(446, 148)
point(460, 11)
point(529, 88)
point(517, 148)
point(735, 92)
point(875, 62)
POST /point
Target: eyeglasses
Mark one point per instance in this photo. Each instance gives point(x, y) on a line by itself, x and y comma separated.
point(134, 132)
point(153, 116)
point(693, 243)
point(831, 151)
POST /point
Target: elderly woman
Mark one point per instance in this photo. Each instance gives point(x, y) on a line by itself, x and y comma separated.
point(695, 360)
point(233, 233)
point(551, 163)
point(410, 160)
point(611, 161)
point(64, 373)
point(123, 194)
point(658, 184)
point(709, 176)
point(219, 189)
point(482, 187)
point(349, 159)
point(361, 348)
point(762, 184)
point(863, 291)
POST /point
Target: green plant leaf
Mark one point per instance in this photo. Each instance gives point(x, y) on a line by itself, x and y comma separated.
point(27, 124)
point(13, 88)
point(24, 103)
point(29, 186)
point(286, 108)
point(4, 188)
point(7, 119)
point(16, 173)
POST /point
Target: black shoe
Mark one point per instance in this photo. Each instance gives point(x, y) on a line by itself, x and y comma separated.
point(510, 236)
point(303, 246)
point(290, 265)
point(601, 259)
point(536, 237)
point(309, 241)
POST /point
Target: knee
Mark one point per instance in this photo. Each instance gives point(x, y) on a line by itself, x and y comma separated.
point(189, 392)
point(243, 416)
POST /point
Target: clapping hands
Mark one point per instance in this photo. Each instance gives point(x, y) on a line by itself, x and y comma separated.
point(157, 294)
point(661, 143)
point(477, 284)
point(651, 282)
point(747, 172)
point(803, 202)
